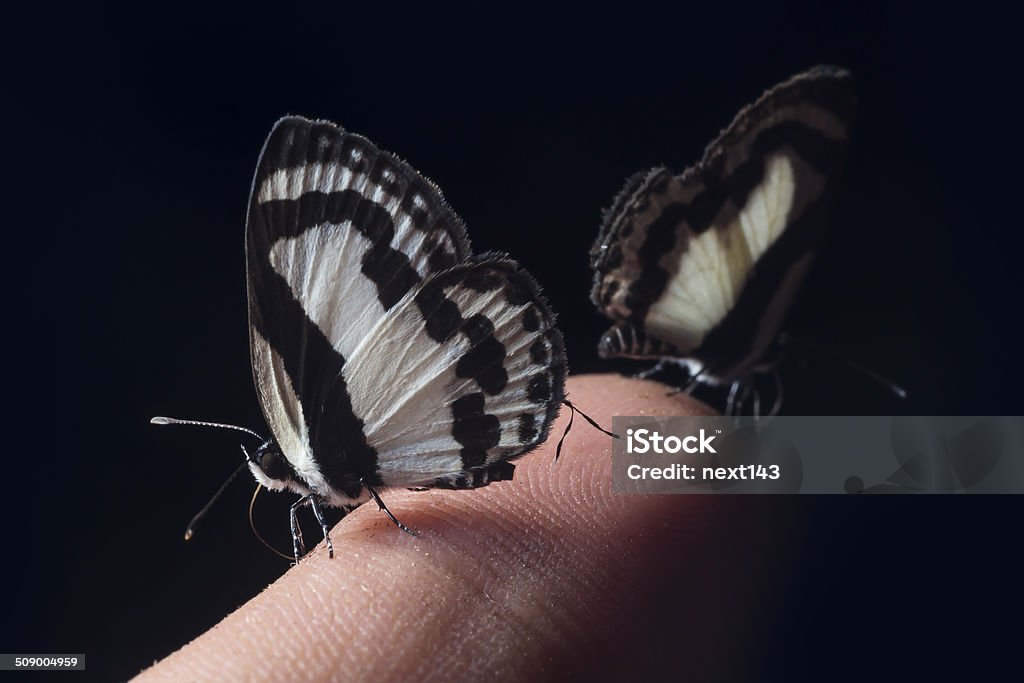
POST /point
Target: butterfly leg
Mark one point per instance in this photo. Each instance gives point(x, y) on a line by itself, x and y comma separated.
point(298, 545)
point(730, 404)
point(314, 503)
point(690, 386)
point(644, 374)
point(696, 378)
point(746, 392)
point(778, 393)
point(382, 506)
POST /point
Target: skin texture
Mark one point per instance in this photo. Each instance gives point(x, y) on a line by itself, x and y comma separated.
point(544, 577)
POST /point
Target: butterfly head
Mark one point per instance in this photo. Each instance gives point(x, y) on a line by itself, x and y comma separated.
point(271, 468)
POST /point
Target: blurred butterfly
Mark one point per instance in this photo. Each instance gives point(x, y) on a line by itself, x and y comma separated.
point(699, 269)
point(384, 353)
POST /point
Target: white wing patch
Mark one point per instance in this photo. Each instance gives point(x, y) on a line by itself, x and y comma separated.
point(766, 214)
point(292, 183)
point(715, 263)
point(401, 385)
point(318, 266)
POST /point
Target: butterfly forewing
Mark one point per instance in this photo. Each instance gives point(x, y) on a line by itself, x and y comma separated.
point(704, 264)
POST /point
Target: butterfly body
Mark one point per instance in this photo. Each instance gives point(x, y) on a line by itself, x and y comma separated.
point(700, 268)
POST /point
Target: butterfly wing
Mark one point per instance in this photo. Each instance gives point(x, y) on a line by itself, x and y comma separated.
point(338, 232)
point(381, 353)
point(466, 373)
point(704, 265)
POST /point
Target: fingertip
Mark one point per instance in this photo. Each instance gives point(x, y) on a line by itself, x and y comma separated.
point(550, 573)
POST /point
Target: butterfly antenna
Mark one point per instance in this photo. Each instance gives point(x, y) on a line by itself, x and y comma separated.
point(593, 423)
point(896, 389)
point(252, 525)
point(160, 420)
point(206, 508)
point(199, 423)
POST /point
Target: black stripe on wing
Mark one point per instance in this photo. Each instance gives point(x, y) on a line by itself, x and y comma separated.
point(475, 479)
point(314, 368)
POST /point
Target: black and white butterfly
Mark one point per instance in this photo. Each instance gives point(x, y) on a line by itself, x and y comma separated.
point(700, 268)
point(384, 353)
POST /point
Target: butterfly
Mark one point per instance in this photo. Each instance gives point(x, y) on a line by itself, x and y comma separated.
point(384, 353)
point(700, 268)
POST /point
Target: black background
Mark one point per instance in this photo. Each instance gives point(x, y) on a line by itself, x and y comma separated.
point(127, 294)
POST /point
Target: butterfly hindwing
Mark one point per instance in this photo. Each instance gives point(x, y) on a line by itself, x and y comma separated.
point(703, 264)
point(466, 372)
